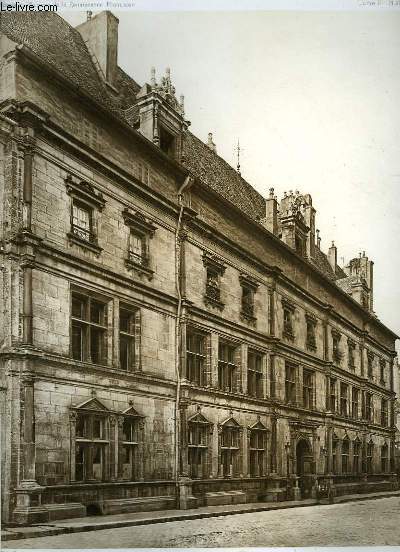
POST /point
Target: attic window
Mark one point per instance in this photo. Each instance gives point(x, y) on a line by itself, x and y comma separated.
point(167, 142)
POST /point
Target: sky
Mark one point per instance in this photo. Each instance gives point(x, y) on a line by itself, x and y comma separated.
point(313, 98)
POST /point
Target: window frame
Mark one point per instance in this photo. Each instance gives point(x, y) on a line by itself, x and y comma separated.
point(88, 328)
point(308, 389)
point(291, 383)
point(196, 361)
point(255, 374)
point(140, 225)
point(215, 269)
point(228, 369)
point(133, 338)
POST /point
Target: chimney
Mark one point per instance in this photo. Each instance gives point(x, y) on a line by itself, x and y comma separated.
point(210, 143)
point(270, 222)
point(332, 256)
point(309, 217)
point(100, 34)
point(318, 238)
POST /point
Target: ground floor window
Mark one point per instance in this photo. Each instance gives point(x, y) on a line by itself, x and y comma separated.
point(229, 449)
point(197, 448)
point(384, 458)
point(370, 454)
point(345, 455)
point(356, 455)
point(258, 447)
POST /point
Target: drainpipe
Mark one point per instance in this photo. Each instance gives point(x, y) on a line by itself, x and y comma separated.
point(185, 184)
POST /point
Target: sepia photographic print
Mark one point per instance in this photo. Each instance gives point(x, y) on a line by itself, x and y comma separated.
point(199, 274)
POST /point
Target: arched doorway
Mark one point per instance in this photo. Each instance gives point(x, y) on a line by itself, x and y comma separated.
point(305, 467)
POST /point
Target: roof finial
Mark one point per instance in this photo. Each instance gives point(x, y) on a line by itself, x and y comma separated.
point(153, 77)
point(182, 104)
point(271, 193)
point(210, 142)
point(89, 15)
point(238, 150)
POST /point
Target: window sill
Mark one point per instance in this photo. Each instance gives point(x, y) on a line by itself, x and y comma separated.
point(137, 267)
point(288, 335)
point(211, 301)
point(311, 347)
point(247, 317)
point(92, 246)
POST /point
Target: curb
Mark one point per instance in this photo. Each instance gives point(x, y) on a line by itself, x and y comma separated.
point(52, 531)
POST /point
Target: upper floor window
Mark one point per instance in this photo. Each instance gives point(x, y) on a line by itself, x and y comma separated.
point(290, 383)
point(384, 412)
point(311, 342)
point(129, 338)
point(308, 389)
point(214, 270)
point(249, 288)
point(370, 364)
point(86, 202)
point(351, 354)
point(141, 231)
point(368, 407)
point(89, 328)
point(196, 357)
point(227, 368)
point(382, 369)
point(288, 315)
point(336, 353)
point(344, 391)
point(355, 394)
point(332, 384)
point(254, 374)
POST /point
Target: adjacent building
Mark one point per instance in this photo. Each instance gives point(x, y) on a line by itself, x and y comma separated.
point(169, 336)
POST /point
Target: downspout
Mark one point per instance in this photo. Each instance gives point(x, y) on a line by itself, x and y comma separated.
point(177, 329)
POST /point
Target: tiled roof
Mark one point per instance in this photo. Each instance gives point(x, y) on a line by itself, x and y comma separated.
point(56, 42)
point(51, 38)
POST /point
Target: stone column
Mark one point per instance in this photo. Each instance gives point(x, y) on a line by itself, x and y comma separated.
point(184, 461)
point(243, 451)
point(113, 448)
point(73, 415)
point(274, 419)
point(182, 351)
point(269, 382)
point(329, 432)
point(115, 330)
point(119, 445)
point(271, 310)
point(214, 360)
point(214, 438)
point(244, 358)
point(140, 451)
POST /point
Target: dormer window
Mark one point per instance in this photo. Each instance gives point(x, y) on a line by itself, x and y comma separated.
point(167, 142)
point(311, 342)
point(249, 288)
point(137, 248)
point(288, 312)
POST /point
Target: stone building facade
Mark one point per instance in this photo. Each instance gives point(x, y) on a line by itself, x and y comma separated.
point(169, 337)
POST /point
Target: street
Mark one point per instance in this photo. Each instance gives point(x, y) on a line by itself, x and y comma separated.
point(371, 522)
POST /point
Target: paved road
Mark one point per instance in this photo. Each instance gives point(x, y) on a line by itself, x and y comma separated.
point(372, 522)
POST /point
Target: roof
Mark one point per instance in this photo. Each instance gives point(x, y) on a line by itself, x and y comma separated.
point(61, 46)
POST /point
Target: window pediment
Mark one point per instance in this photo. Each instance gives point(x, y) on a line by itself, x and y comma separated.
point(198, 419)
point(132, 413)
point(259, 427)
point(214, 262)
point(248, 281)
point(92, 404)
point(230, 422)
point(138, 222)
point(85, 192)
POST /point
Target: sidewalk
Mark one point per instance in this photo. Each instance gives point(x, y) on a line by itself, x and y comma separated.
point(94, 523)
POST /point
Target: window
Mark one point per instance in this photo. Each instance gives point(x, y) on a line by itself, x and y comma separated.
point(384, 412)
point(382, 369)
point(141, 231)
point(227, 369)
point(368, 407)
point(198, 431)
point(351, 352)
point(247, 302)
point(290, 383)
point(384, 458)
point(356, 455)
point(129, 328)
point(254, 374)
point(230, 450)
point(370, 361)
point(370, 456)
point(311, 342)
point(167, 142)
point(331, 394)
point(288, 312)
point(345, 455)
point(195, 357)
point(89, 328)
point(355, 397)
point(308, 389)
point(86, 202)
point(214, 270)
point(336, 353)
point(82, 221)
point(344, 390)
point(90, 447)
point(249, 288)
point(137, 248)
point(335, 442)
point(257, 452)
point(128, 449)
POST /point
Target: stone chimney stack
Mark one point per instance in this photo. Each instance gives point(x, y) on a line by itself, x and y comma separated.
point(100, 32)
point(309, 217)
point(318, 239)
point(332, 256)
point(270, 222)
